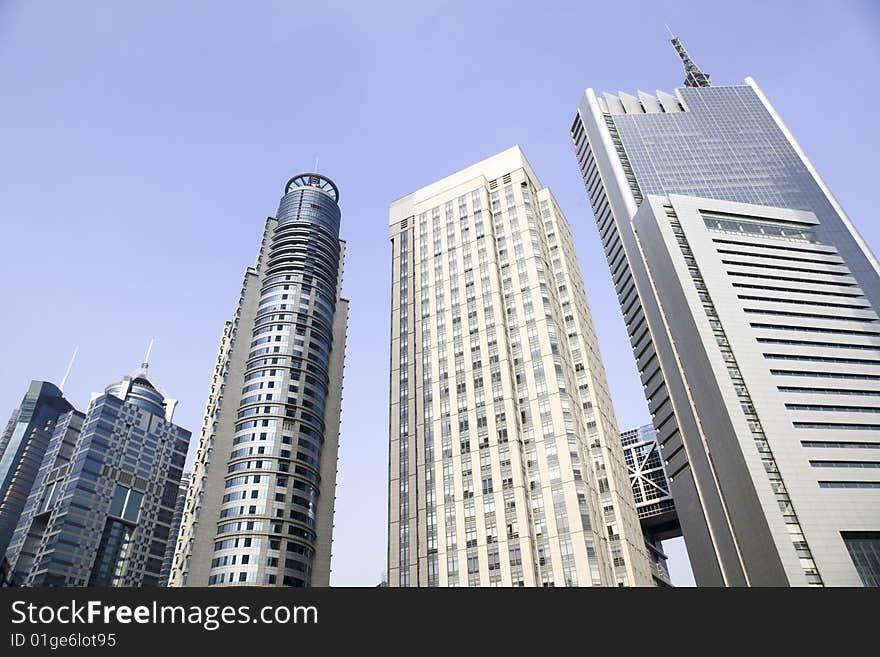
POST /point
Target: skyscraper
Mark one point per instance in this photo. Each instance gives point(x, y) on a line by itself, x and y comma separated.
point(174, 530)
point(505, 465)
point(260, 507)
point(102, 505)
point(22, 448)
point(654, 503)
point(750, 301)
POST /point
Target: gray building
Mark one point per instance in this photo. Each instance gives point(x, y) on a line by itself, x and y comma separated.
point(22, 448)
point(174, 530)
point(505, 466)
point(750, 301)
point(259, 510)
point(654, 503)
point(102, 505)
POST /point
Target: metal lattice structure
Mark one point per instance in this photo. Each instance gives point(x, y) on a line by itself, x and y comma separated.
point(693, 76)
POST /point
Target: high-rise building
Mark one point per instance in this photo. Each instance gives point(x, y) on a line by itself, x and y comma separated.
point(259, 510)
point(654, 503)
point(102, 505)
point(22, 448)
point(505, 466)
point(7, 579)
point(750, 301)
point(168, 562)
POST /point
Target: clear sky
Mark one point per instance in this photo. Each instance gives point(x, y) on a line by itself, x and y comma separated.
point(144, 144)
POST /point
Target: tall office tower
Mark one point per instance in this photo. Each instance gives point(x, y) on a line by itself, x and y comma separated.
point(22, 448)
point(654, 503)
point(102, 505)
point(260, 507)
point(506, 467)
point(750, 301)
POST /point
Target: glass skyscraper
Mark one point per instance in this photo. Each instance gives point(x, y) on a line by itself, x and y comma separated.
point(750, 301)
point(101, 510)
point(22, 448)
point(506, 467)
point(259, 510)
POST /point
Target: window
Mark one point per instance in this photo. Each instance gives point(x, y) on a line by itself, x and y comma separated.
point(864, 550)
point(126, 503)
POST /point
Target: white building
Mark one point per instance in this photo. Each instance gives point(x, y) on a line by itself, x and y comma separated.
point(750, 301)
point(505, 465)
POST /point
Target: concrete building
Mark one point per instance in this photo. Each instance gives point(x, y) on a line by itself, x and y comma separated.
point(505, 467)
point(259, 510)
point(22, 448)
point(101, 508)
point(750, 301)
point(654, 503)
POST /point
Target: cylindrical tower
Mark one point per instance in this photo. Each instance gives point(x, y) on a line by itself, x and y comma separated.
point(273, 482)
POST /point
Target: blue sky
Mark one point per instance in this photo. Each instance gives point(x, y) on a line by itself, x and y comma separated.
point(144, 144)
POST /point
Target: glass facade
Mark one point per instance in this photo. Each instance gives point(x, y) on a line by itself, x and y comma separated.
point(268, 532)
point(749, 299)
point(22, 448)
point(728, 146)
point(646, 472)
point(654, 502)
point(864, 548)
point(101, 510)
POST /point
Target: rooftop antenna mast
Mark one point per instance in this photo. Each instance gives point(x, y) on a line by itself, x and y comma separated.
point(69, 367)
point(146, 362)
point(693, 76)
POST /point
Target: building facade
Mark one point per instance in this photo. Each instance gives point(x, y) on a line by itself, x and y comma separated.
point(22, 448)
point(750, 301)
point(259, 510)
point(505, 463)
point(101, 509)
point(179, 505)
point(654, 502)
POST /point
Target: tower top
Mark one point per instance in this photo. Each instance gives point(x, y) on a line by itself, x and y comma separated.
point(693, 76)
point(316, 180)
point(146, 364)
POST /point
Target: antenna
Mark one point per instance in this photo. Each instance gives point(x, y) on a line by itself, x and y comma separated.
point(671, 35)
point(693, 76)
point(69, 366)
point(146, 362)
point(316, 164)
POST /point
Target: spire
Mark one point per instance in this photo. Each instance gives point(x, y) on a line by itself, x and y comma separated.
point(146, 362)
point(693, 76)
point(69, 367)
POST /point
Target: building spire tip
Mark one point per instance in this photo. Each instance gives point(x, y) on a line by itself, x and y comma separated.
point(146, 362)
point(69, 367)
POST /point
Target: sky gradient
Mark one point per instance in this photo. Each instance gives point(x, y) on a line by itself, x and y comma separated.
point(144, 144)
